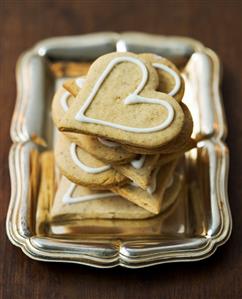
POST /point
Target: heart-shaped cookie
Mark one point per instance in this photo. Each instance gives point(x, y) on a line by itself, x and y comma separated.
point(137, 170)
point(151, 200)
point(170, 80)
point(141, 176)
point(182, 142)
point(60, 105)
point(120, 101)
point(82, 168)
point(75, 202)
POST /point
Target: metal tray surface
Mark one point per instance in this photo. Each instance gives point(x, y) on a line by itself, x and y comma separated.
point(190, 230)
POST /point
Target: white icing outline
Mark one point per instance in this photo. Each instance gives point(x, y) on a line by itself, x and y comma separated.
point(132, 183)
point(152, 188)
point(108, 143)
point(68, 199)
point(84, 167)
point(80, 81)
point(170, 71)
point(138, 163)
point(133, 98)
point(63, 100)
point(64, 97)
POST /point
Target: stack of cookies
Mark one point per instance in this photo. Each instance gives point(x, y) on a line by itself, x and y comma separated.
point(122, 129)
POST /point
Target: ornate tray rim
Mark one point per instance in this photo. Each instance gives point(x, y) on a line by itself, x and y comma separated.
point(116, 252)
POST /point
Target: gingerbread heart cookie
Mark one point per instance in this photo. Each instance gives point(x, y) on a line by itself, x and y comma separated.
point(104, 150)
point(139, 170)
point(82, 168)
point(75, 202)
point(63, 99)
point(119, 101)
point(150, 199)
point(170, 80)
point(182, 142)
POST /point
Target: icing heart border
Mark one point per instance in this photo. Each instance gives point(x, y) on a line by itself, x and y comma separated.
point(133, 98)
point(69, 199)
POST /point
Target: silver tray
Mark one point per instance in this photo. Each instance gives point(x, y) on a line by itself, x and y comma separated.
point(193, 228)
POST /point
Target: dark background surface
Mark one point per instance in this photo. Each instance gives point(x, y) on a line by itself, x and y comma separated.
point(218, 24)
